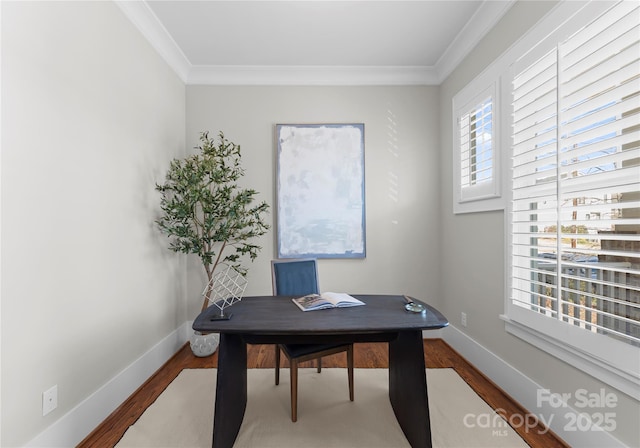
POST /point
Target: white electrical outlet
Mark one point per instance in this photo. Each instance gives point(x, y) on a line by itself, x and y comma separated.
point(463, 319)
point(49, 400)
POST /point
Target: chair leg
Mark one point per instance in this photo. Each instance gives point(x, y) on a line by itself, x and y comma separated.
point(277, 364)
point(350, 370)
point(319, 365)
point(294, 389)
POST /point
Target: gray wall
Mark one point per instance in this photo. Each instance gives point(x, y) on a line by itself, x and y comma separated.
point(401, 142)
point(473, 255)
point(90, 117)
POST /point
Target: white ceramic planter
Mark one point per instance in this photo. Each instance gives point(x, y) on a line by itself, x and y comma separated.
point(203, 345)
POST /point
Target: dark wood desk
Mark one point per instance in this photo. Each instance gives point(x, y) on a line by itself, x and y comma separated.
point(272, 320)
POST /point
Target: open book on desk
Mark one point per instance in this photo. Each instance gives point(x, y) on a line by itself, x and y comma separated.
point(326, 300)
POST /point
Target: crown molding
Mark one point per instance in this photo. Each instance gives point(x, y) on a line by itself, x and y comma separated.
point(141, 15)
point(485, 18)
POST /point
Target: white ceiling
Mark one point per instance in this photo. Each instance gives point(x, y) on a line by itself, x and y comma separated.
point(314, 42)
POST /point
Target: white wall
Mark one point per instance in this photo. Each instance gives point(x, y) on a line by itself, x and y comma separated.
point(473, 273)
point(90, 117)
point(401, 145)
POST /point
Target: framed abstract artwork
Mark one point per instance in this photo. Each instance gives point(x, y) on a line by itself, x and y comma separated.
point(320, 191)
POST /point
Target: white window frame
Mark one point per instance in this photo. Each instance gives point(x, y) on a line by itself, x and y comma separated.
point(612, 361)
point(487, 195)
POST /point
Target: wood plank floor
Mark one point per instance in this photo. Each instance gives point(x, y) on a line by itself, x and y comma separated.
point(371, 355)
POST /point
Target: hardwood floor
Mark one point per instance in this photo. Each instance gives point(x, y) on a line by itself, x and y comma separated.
point(372, 355)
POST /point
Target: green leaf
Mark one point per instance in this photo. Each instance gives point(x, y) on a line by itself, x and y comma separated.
point(202, 205)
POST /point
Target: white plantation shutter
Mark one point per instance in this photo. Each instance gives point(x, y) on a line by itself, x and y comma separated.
point(476, 161)
point(476, 137)
point(575, 211)
point(534, 186)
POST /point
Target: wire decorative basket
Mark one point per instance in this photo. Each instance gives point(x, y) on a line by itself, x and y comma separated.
point(225, 288)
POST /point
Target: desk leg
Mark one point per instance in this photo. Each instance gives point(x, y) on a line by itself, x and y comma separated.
point(231, 390)
point(408, 387)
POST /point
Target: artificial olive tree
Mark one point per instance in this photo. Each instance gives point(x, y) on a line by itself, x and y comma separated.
point(204, 210)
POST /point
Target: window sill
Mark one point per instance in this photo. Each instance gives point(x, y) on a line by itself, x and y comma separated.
point(602, 370)
point(477, 206)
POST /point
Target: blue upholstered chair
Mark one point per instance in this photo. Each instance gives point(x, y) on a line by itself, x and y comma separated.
point(298, 278)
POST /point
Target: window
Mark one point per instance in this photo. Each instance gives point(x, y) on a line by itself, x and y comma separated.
point(476, 149)
point(575, 186)
point(476, 140)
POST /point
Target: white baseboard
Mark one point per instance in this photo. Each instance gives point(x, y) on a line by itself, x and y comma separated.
point(561, 420)
point(75, 425)
point(432, 334)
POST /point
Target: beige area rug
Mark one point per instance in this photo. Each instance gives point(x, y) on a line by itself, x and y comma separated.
point(183, 414)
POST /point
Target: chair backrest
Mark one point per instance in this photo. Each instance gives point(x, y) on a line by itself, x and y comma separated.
point(296, 277)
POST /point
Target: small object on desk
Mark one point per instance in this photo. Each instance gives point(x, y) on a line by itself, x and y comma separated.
point(224, 289)
point(312, 302)
point(414, 307)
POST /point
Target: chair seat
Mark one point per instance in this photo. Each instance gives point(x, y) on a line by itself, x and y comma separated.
point(299, 350)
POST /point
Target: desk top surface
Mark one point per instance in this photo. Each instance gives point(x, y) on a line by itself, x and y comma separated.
point(278, 315)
